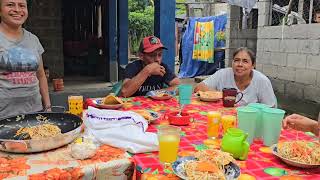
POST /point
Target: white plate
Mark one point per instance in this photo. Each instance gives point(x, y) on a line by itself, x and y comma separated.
point(99, 103)
point(153, 94)
point(274, 149)
point(231, 171)
point(208, 99)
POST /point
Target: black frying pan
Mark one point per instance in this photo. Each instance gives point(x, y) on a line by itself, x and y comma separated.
point(69, 124)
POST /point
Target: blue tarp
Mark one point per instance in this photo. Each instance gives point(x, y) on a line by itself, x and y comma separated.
point(190, 67)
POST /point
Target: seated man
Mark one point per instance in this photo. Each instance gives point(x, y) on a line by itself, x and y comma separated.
point(148, 73)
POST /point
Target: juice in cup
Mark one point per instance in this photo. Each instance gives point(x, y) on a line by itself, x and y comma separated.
point(214, 119)
point(75, 105)
point(169, 139)
point(228, 121)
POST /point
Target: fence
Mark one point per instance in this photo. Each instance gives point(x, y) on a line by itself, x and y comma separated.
point(297, 11)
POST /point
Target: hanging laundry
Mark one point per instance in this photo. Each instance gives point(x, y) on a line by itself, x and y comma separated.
point(203, 47)
point(247, 4)
point(191, 68)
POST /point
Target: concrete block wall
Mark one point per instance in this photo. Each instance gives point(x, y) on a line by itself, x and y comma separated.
point(237, 37)
point(290, 56)
point(45, 21)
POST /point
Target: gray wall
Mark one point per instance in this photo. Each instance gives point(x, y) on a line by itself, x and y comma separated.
point(291, 61)
point(45, 21)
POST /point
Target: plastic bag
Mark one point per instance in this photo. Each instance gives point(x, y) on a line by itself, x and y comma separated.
point(83, 148)
point(248, 4)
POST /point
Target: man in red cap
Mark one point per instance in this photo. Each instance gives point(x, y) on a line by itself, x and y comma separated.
point(148, 73)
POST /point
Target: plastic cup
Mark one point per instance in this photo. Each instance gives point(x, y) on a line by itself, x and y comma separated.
point(75, 105)
point(259, 128)
point(185, 93)
point(214, 121)
point(247, 120)
point(228, 121)
point(169, 139)
point(271, 122)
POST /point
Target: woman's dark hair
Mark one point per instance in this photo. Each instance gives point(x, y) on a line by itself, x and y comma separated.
point(247, 50)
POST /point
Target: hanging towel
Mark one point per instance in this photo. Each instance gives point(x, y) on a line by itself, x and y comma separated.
point(191, 68)
point(203, 45)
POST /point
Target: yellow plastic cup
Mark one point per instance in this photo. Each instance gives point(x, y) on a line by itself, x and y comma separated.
point(228, 121)
point(214, 121)
point(75, 105)
point(169, 139)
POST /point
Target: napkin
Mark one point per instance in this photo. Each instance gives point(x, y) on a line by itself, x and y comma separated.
point(122, 129)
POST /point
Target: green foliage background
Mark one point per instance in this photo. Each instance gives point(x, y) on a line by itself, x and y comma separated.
point(141, 20)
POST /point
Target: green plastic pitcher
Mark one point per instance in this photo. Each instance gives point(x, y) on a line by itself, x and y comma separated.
point(234, 142)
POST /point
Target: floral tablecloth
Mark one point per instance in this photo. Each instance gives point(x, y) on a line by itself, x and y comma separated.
point(261, 163)
point(107, 163)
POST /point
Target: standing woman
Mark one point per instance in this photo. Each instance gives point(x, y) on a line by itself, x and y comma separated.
point(23, 84)
point(255, 86)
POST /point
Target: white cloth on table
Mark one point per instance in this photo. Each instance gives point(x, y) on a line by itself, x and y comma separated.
point(122, 129)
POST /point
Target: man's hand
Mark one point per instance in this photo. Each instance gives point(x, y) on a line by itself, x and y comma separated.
point(156, 69)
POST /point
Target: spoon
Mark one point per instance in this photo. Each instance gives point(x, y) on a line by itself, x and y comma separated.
point(180, 110)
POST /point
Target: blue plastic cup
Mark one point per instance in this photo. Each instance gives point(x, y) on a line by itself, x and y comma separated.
point(271, 122)
point(185, 93)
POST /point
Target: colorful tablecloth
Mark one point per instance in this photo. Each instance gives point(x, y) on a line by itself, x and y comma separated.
point(107, 163)
point(261, 163)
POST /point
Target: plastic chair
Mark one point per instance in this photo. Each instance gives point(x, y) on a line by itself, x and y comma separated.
point(116, 88)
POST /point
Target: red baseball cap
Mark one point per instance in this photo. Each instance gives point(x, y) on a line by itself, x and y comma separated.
point(150, 44)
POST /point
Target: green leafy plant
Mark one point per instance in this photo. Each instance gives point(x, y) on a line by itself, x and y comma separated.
point(141, 21)
point(181, 8)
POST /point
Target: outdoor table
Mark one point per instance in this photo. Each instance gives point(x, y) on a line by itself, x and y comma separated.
point(107, 163)
point(260, 159)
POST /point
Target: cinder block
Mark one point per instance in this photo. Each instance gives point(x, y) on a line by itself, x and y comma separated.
point(260, 44)
point(270, 32)
point(270, 70)
point(306, 76)
point(259, 67)
point(263, 7)
point(262, 20)
point(289, 45)
point(278, 85)
point(313, 31)
point(313, 62)
point(263, 57)
point(252, 44)
point(286, 73)
point(294, 89)
point(311, 93)
point(318, 79)
point(297, 60)
point(309, 46)
point(272, 45)
point(297, 31)
point(248, 33)
point(277, 58)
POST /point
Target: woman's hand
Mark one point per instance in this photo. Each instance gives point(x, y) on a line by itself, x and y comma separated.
point(300, 123)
